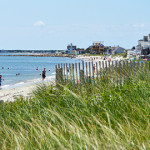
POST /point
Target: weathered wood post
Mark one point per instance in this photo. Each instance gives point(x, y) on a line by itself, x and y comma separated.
point(81, 76)
point(100, 69)
point(138, 70)
point(127, 69)
point(86, 69)
point(76, 73)
point(73, 73)
point(124, 71)
point(112, 71)
point(89, 69)
point(93, 72)
point(56, 72)
point(134, 68)
point(120, 73)
point(79, 73)
point(59, 76)
point(142, 67)
point(67, 71)
point(83, 69)
point(70, 72)
point(145, 68)
point(149, 67)
point(131, 68)
point(109, 69)
point(97, 71)
point(116, 72)
point(65, 79)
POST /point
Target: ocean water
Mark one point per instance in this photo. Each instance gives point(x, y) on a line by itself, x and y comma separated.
point(26, 66)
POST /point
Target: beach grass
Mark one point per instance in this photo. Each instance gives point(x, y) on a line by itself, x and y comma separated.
point(96, 115)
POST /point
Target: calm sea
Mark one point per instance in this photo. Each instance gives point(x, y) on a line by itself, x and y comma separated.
point(26, 66)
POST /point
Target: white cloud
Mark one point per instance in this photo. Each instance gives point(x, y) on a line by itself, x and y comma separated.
point(138, 25)
point(39, 24)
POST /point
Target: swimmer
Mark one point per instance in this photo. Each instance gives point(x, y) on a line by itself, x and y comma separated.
point(17, 74)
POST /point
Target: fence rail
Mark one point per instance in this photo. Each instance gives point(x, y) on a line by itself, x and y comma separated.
point(117, 71)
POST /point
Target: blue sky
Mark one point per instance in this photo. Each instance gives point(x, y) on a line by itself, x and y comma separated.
point(53, 24)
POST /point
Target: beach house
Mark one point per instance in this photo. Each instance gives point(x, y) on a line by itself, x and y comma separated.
point(144, 45)
point(71, 48)
point(97, 47)
point(117, 50)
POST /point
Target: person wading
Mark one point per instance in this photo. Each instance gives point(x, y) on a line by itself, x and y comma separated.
point(0, 80)
point(43, 74)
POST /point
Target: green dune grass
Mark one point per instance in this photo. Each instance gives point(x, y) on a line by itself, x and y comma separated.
point(98, 115)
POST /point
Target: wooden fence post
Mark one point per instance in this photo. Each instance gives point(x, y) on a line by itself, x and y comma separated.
point(97, 71)
point(106, 66)
point(73, 73)
point(138, 70)
point(127, 69)
point(81, 76)
point(134, 68)
point(142, 67)
point(145, 68)
point(149, 67)
point(79, 72)
point(86, 69)
point(89, 69)
point(120, 73)
point(109, 68)
point(130, 68)
point(100, 69)
point(116, 73)
point(76, 73)
point(93, 71)
point(112, 71)
point(56, 72)
point(124, 71)
point(59, 76)
point(67, 67)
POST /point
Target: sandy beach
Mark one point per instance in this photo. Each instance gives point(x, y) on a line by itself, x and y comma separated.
point(99, 58)
point(25, 91)
point(13, 93)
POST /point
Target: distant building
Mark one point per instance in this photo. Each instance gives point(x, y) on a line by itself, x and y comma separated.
point(144, 43)
point(117, 50)
point(97, 47)
point(70, 48)
point(107, 50)
point(80, 51)
point(113, 50)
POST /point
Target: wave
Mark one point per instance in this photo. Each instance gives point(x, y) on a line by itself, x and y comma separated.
point(29, 82)
point(5, 86)
point(54, 73)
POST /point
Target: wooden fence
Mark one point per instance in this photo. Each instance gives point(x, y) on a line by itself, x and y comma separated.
point(95, 71)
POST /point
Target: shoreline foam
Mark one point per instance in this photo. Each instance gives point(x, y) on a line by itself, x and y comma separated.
point(23, 89)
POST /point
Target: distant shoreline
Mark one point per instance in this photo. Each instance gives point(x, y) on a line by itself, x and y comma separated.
point(42, 55)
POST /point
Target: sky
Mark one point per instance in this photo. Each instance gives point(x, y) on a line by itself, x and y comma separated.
point(53, 24)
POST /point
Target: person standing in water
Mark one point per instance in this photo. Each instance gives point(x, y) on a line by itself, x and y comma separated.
point(43, 74)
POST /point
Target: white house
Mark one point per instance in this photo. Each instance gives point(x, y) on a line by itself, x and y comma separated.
point(144, 43)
